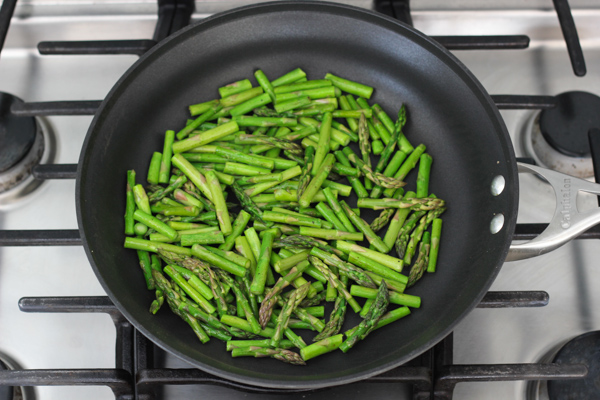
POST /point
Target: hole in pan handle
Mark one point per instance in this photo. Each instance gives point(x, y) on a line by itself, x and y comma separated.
point(567, 223)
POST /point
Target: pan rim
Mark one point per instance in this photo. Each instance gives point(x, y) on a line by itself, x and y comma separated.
point(414, 35)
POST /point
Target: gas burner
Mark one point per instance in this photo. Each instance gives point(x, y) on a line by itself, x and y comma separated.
point(557, 138)
point(13, 392)
point(583, 349)
point(24, 144)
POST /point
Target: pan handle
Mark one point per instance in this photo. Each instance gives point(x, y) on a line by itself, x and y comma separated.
point(567, 223)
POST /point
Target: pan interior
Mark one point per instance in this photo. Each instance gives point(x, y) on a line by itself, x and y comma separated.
point(447, 110)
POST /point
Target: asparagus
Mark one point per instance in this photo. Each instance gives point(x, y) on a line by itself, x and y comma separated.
point(374, 266)
point(270, 141)
point(331, 234)
point(266, 307)
point(315, 322)
point(420, 265)
point(426, 203)
point(425, 162)
point(403, 234)
point(337, 209)
point(286, 312)
point(242, 300)
point(288, 262)
point(238, 227)
point(155, 223)
point(416, 235)
point(279, 354)
point(349, 86)
point(165, 163)
point(362, 226)
point(205, 138)
point(298, 220)
point(240, 344)
point(203, 271)
point(382, 220)
point(223, 156)
point(376, 177)
point(335, 282)
point(293, 87)
point(174, 299)
point(188, 289)
point(407, 166)
point(365, 145)
point(130, 203)
point(336, 320)
point(260, 277)
point(157, 304)
point(289, 78)
point(323, 145)
point(205, 255)
point(352, 271)
point(377, 309)
point(264, 83)
point(396, 223)
point(386, 318)
point(304, 180)
point(235, 87)
point(318, 299)
point(377, 146)
point(141, 198)
point(436, 231)
point(321, 347)
point(247, 203)
point(234, 168)
point(395, 298)
point(231, 256)
point(306, 242)
point(391, 145)
point(192, 174)
point(145, 265)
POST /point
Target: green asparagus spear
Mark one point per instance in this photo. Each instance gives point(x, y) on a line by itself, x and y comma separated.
point(335, 282)
point(279, 354)
point(321, 347)
point(420, 265)
point(130, 203)
point(376, 177)
point(258, 282)
point(423, 177)
point(436, 231)
point(247, 203)
point(286, 312)
point(165, 164)
point(377, 309)
point(362, 226)
point(266, 307)
point(350, 270)
point(309, 156)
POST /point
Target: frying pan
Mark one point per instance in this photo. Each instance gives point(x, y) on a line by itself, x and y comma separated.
point(448, 109)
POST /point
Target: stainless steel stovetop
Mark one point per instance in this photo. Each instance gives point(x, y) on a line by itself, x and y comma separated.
point(520, 335)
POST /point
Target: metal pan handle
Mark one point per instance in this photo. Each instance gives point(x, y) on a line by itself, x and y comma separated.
point(567, 223)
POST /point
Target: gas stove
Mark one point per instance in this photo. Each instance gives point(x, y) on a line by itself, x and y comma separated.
point(62, 335)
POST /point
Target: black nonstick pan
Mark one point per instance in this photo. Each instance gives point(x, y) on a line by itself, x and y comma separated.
point(448, 110)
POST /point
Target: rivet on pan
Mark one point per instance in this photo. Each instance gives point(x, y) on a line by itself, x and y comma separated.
point(498, 184)
point(497, 223)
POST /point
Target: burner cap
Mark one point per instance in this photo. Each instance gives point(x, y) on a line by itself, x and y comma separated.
point(566, 126)
point(584, 349)
point(17, 134)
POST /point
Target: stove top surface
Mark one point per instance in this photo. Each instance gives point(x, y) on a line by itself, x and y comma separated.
point(513, 335)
